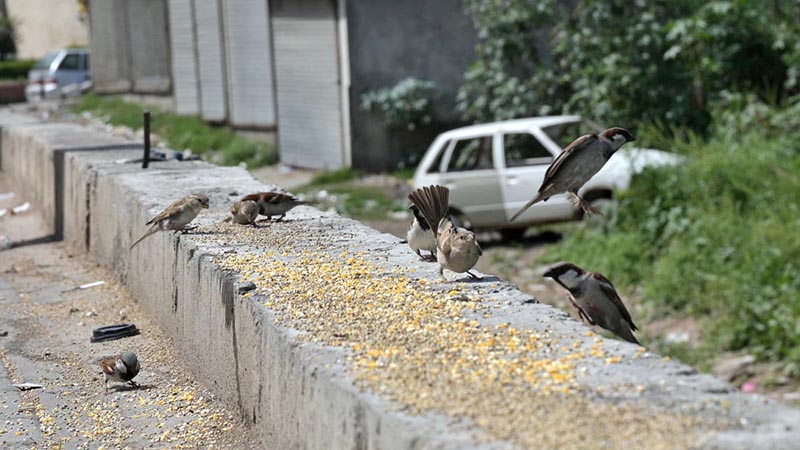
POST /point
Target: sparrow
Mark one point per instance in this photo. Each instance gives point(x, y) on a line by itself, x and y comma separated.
point(456, 247)
point(595, 298)
point(420, 236)
point(120, 368)
point(176, 216)
point(579, 161)
point(245, 212)
point(274, 203)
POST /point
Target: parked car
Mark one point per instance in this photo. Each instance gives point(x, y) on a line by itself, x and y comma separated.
point(57, 70)
point(493, 169)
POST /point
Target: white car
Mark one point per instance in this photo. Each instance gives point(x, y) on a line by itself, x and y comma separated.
point(493, 169)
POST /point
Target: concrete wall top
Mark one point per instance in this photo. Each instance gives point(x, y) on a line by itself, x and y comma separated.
point(349, 341)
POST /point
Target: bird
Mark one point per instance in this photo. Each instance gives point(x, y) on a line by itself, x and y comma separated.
point(457, 250)
point(245, 212)
point(176, 216)
point(274, 203)
point(120, 368)
point(579, 162)
point(595, 298)
point(421, 237)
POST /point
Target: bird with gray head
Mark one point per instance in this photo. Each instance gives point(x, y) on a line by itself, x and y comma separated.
point(121, 368)
point(245, 212)
point(595, 298)
point(275, 203)
point(420, 236)
point(579, 162)
point(176, 217)
point(457, 250)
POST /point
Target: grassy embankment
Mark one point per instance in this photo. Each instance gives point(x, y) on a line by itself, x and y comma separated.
point(219, 145)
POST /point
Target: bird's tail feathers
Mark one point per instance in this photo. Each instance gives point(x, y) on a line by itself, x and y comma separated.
point(149, 232)
point(536, 199)
point(433, 202)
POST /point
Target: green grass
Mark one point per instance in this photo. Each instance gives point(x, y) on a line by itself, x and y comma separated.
point(716, 238)
point(334, 176)
point(219, 145)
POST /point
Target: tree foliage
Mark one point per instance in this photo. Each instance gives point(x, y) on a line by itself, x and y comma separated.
point(630, 62)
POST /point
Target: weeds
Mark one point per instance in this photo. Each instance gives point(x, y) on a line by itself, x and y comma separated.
point(220, 145)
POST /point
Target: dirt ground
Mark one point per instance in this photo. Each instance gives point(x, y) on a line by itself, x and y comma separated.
point(45, 326)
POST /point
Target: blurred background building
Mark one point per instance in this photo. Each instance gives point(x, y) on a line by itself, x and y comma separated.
point(295, 67)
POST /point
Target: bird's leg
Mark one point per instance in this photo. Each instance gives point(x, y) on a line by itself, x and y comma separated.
point(473, 276)
point(583, 204)
point(105, 383)
point(133, 384)
point(441, 273)
point(280, 218)
point(430, 258)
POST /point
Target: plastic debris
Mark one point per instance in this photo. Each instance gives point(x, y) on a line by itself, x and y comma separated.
point(27, 386)
point(111, 332)
point(6, 196)
point(25, 207)
point(85, 286)
point(3, 212)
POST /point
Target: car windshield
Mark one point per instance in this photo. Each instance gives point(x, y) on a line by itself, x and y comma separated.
point(564, 133)
point(44, 63)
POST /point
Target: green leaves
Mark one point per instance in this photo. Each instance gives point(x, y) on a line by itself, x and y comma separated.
point(408, 104)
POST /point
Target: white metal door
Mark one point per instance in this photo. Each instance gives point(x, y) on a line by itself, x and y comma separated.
point(249, 63)
point(184, 62)
point(210, 60)
point(307, 83)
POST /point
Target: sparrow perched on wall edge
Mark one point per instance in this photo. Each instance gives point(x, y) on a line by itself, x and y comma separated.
point(579, 162)
point(176, 216)
point(456, 247)
point(245, 212)
point(595, 298)
point(274, 203)
point(420, 236)
point(121, 368)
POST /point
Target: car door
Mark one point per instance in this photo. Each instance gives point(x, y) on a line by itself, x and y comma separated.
point(471, 176)
point(69, 70)
point(525, 162)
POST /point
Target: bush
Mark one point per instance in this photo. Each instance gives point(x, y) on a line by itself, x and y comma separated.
point(408, 104)
point(715, 238)
point(16, 69)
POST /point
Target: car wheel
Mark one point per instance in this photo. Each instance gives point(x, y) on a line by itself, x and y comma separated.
point(512, 234)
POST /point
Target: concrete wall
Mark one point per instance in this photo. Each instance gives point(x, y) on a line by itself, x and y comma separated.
point(295, 393)
point(432, 40)
point(130, 46)
point(47, 25)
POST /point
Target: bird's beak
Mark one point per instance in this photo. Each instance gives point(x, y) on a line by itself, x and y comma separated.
point(549, 274)
point(633, 138)
point(205, 206)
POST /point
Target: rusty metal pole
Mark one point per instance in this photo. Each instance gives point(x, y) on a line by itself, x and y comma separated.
point(146, 158)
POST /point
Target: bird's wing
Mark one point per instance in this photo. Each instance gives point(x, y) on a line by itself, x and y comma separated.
point(444, 238)
point(171, 210)
point(566, 155)
point(107, 364)
point(610, 292)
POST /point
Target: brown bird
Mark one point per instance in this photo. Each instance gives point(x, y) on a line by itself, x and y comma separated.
point(420, 236)
point(595, 298)
point(176, 216)
point(245, 212)
point(120, 368)
point(274, 203)
point(579, 162)
point(456, 247)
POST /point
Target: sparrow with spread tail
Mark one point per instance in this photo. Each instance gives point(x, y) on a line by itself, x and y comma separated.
point(420, 236)
point(595, 298)
point(456, 247)
point(120, 368)
point(579, 161)
point(176, 216)
point(274, 203)
point(245, 212)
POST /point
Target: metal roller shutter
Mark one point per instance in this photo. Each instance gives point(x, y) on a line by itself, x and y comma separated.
point(249, 61)
point(210, 60)
point(184, 63)
point(307, 83)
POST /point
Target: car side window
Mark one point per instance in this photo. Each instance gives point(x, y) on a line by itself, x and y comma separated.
point(70, 62)
point(564, 133)
point(84, 62)
point(471, 154)
point(523, 149)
